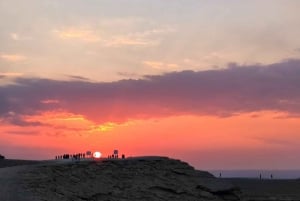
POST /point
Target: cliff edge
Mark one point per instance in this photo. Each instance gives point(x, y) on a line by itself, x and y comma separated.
point(139, 178)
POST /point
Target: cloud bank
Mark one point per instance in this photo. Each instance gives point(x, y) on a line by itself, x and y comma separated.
point(236, 89)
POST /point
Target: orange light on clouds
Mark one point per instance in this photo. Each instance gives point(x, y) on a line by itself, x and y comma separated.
point(78, 33)
point(13, 57)
point(195, 138)
point(65, 122)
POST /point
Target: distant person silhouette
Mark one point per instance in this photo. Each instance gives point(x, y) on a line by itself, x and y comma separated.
point(271, 176)
point(260, 176)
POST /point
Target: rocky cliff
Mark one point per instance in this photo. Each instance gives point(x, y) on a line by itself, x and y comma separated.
point(141, 178)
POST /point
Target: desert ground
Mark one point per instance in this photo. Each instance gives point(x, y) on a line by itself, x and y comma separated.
point(139, 178)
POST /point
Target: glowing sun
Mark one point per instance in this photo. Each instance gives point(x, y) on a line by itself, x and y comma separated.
point(97, 154)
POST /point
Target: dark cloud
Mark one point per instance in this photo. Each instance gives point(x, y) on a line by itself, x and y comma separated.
point(21, 132)
point(129, 75)
point(18, 120)
point(226, 92)
point(76, 77)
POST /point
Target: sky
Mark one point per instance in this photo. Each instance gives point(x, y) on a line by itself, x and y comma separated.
point(213, 83)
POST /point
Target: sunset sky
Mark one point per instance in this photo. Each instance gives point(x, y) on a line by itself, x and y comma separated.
point(213, 83)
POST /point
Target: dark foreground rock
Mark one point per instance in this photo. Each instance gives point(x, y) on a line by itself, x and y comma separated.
point(268, 189)
point(10, 162)
point(143, 178)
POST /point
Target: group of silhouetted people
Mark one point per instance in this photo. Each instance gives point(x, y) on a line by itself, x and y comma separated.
point(70, 156)
point(260, 177)
point(83, 155)
point(115, 156)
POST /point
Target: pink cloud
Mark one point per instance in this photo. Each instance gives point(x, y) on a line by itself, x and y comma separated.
point(237, 89)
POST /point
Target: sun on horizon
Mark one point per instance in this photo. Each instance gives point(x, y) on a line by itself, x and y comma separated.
point(213, 83)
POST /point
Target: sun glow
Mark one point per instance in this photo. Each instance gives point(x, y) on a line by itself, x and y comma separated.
point(97, 154)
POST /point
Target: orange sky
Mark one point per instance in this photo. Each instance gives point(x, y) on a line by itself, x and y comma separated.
point(240, 117)
point(215, 83)
point(253, 140)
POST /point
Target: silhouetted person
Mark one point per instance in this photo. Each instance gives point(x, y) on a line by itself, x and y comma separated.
point(123, 156)
point(271, 176)
point(220, 175)
point(260, 176)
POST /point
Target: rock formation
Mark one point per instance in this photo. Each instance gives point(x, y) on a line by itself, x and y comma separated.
point(134, 179)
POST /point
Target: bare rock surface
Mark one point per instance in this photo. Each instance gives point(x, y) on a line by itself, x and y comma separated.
point(12, 162)
point(141, 178)
point(10, 188)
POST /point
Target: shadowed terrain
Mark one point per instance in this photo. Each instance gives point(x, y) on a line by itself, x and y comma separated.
point(266, 189)
point(143, 178)
point(12, 162)
point(138, 178)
